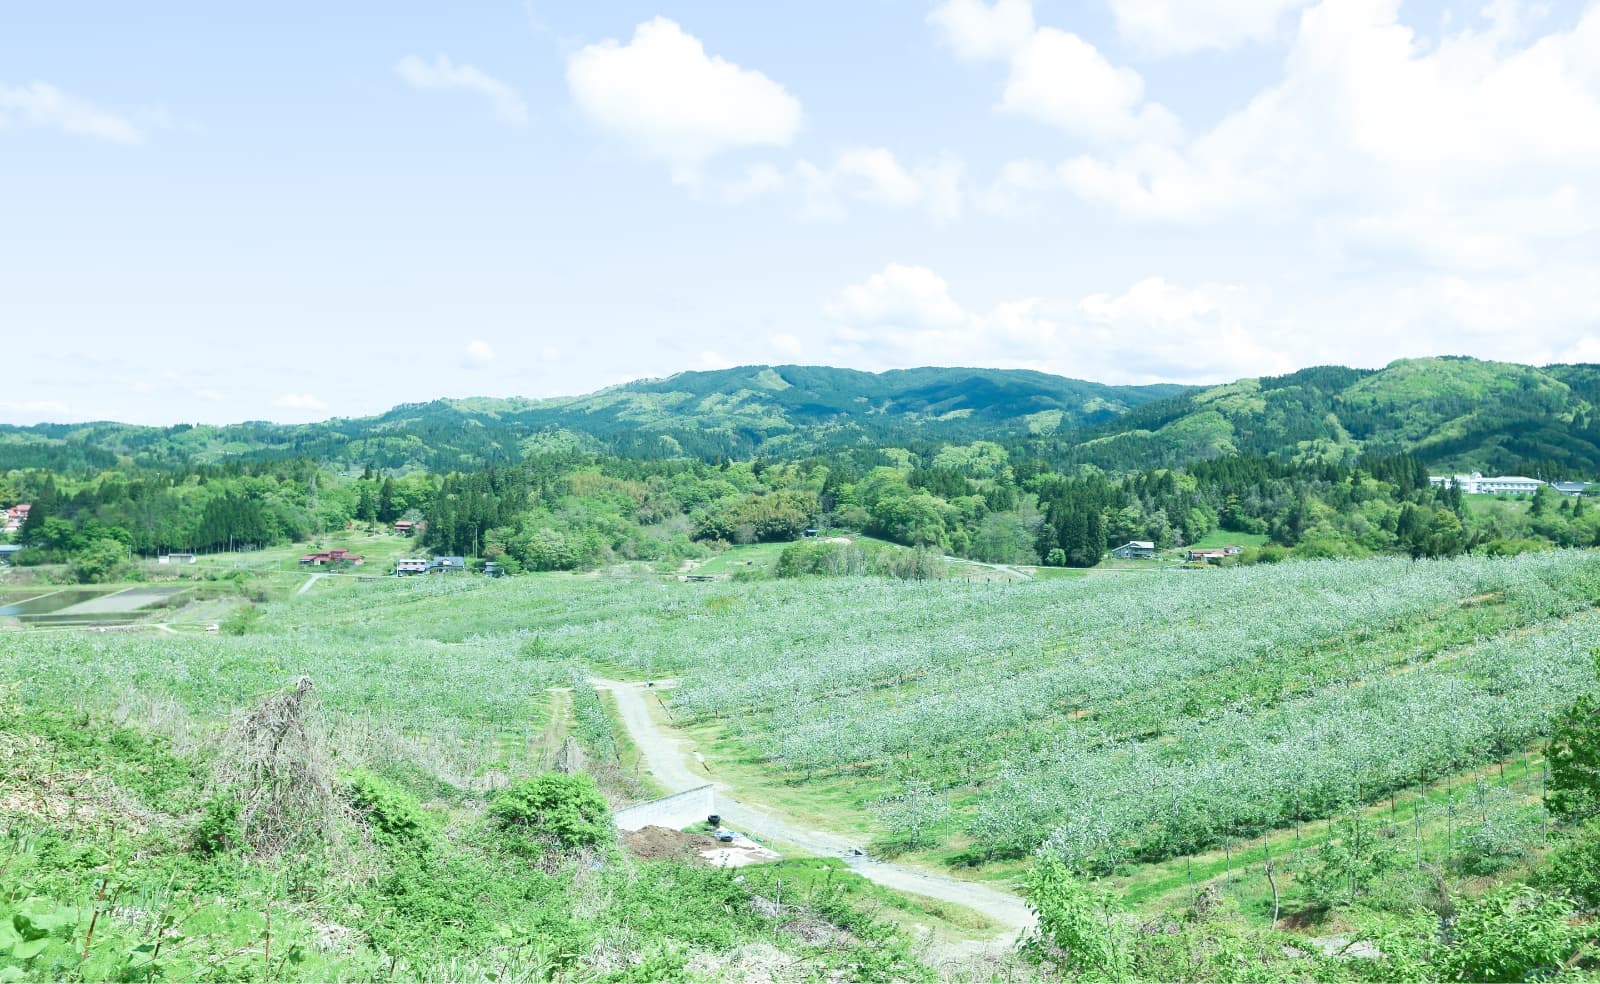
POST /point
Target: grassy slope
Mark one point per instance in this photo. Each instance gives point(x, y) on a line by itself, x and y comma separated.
point(114, 794)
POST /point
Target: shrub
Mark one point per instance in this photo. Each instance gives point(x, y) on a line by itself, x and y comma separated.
point(830, 559)
point(218, 831)
point(1574, 866)
point(563, 808)
point(1573, 789)
point(395, 815)
point(1076, 931)
point(1514, 934)
point(242, 621)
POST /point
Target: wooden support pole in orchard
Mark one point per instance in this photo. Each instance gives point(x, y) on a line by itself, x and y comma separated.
point(1272, 883)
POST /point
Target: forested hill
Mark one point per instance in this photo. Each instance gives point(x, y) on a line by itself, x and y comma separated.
point(1454, 413)
point(1450, 412)
point(775, 411)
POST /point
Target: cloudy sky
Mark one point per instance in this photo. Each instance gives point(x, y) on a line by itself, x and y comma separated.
point(220, 212)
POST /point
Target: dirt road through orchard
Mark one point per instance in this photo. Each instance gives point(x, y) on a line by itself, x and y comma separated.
point(677, 768)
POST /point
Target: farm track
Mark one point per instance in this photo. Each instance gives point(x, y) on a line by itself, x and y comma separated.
point(548, 745)
point(665, 756)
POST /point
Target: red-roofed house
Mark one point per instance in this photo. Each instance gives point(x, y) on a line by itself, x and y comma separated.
point(16, 516)
point(338, 555)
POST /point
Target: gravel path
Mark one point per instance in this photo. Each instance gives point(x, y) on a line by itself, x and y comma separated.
point(313, 579)
point(678, 769)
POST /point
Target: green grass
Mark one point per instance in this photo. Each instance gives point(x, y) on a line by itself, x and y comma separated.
point(1487, 506)
point(811, 879)
point(629, 762)
point(1048, 573)
point(759, 557)
point(1217, 539)
point(1111, 563)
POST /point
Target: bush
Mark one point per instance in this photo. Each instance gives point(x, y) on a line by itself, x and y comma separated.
point(1511, 935)
point(242, 621)
point(396, 818)
point(219, 831)
point(825, 559)
point(1573, 789)
point(1511, 547)
point(1076, 930)
point(1574, 866)
point(566, 809)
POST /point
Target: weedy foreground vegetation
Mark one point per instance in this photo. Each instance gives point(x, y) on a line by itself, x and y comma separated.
point(1330, 770)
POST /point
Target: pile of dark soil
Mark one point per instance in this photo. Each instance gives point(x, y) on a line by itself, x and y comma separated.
point(656, 843)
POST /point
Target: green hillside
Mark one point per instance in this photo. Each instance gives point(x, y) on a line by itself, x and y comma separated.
point(1450, 412)
point(1454, 413)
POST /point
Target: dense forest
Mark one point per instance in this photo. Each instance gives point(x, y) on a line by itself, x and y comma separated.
point(1451, 412)
point(982, 501)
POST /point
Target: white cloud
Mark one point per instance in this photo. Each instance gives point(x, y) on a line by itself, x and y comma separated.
point(299, 401)
point(34, 410)
point(1164, 331)
point(868, 175)
point(1158, 330)
point(786, 344)
point(478, 354)
point(907, 316)
point(1061, 79)
point(1017, 181)
point(1055, 76)
point(443, 73)
point(715, 360)
point(883, 179)
point(976, 30)
point(1541, 315)
point(900, 296)
point(208, 394)
point(42, 104)
point(669, 100)
point(1468, 152)
point(1169, 27)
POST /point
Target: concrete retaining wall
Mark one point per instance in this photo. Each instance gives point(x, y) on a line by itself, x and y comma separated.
point(676, 812)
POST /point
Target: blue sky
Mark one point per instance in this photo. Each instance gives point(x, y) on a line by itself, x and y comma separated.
point(292, 211)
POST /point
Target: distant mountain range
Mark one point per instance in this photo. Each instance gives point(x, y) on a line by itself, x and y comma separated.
point(1454, 411)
